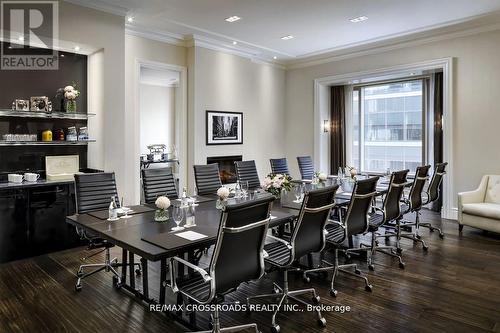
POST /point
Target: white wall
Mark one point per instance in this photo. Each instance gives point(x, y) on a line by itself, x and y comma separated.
point(476, 110)
point(226, 82)
point(157, 116)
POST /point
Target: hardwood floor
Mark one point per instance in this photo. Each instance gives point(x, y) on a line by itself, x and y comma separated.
point(452, 288)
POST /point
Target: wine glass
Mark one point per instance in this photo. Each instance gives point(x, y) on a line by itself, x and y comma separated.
point(244, 188)
point(178, 215)
point(299, 191)
point(125, 210)
point(237, 190)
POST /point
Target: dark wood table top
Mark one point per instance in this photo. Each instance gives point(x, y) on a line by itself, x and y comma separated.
point(134, 232)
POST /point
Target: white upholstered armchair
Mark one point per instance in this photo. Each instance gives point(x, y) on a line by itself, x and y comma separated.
point(481, 208)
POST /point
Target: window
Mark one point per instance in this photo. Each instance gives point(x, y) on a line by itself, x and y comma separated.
point(388, 126)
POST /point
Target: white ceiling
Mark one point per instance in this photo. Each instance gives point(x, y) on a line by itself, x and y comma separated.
point(159, 77)
point(319, 26)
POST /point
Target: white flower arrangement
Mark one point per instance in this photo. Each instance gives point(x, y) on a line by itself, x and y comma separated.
point(223, 193)
point(162, 202)
point(71, 93)
point(322, 176)
point(274, 183)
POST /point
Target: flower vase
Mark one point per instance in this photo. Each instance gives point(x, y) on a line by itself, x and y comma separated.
point(161, 215)
point(71, 106)
point(220, 203)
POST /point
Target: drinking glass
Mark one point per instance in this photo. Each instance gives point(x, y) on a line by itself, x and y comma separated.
point(244, 188)
point(178, 215)
point(125, 210)
point(299, 192)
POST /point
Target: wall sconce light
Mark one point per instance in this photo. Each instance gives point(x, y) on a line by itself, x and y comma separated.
point(326, 126)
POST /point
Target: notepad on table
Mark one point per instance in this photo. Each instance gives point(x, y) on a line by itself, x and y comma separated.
point(191, 235)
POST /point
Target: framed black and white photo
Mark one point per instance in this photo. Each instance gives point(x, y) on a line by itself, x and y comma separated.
point(224, 128)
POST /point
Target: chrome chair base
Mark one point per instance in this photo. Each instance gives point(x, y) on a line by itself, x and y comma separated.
point(336, 268)
point(109, 265)
point(284, 294)
point(217, 329)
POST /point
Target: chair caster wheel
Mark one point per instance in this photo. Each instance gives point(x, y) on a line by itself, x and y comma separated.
point(275, 329)
point(357, 271)
point(371, 267)
point(333, 293)
point(431, 229)
point(425, 248)
point(79, 274)
point(78, 287)
point(322, 322)
point(347, 257)
point(316, 299)
point(138, 272)
point(441, 235)
point(276, 290)
point(117, 283)
point(369, 288)
point(399, 250)
point(306, 279)
point(402, 265)
point(418, 237)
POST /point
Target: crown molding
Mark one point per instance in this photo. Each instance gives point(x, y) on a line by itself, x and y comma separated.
point(216, 45)
point(385, 46)
point(165, 37)
point(103, 7)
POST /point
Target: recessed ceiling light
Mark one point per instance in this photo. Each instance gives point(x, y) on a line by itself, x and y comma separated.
point(77, 48)
point(232, 19)
point(287, 37)
point(130, 19)
point(412, 73)
point(235, 43)
point(10, 47)
point(358, 19)
point(61, 55)
point(275, 57)
point(21, 38)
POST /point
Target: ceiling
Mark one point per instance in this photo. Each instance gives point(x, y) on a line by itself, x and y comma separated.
point(319, 26)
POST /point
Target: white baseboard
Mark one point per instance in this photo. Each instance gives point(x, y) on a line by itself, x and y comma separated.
point(450, 214)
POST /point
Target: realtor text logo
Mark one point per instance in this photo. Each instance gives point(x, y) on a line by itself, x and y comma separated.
point(29, 34)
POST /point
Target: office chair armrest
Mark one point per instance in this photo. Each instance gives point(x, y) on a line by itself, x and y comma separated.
point(280, 240)
point(380, 210)
point(204, 274)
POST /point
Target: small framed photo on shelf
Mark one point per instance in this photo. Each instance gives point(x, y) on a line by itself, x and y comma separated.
point(224, 128)
point(21, 105)
point(40, 103)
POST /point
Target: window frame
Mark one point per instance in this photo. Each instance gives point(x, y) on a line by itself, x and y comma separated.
point(361, 130)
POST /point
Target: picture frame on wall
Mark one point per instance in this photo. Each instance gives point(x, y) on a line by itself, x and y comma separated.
point(224, 128)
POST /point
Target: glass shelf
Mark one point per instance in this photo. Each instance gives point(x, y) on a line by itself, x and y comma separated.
point(45, 143)
point(53, 115)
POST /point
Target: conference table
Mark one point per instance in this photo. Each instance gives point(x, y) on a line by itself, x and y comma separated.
point(140, 235)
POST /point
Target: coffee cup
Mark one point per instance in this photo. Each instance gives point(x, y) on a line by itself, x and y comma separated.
point(31, 177)
point(15, 178)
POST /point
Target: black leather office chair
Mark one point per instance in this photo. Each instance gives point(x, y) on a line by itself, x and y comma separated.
point(207, 178)
point(158, 182)
point(308, 236)
point(433, 193)
point(413, 204)
point(243, 226)
point(247, 171)
point(390, 212)
point(279, 165)
point(94, 192)
point(306, 167)
point(354, 223)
